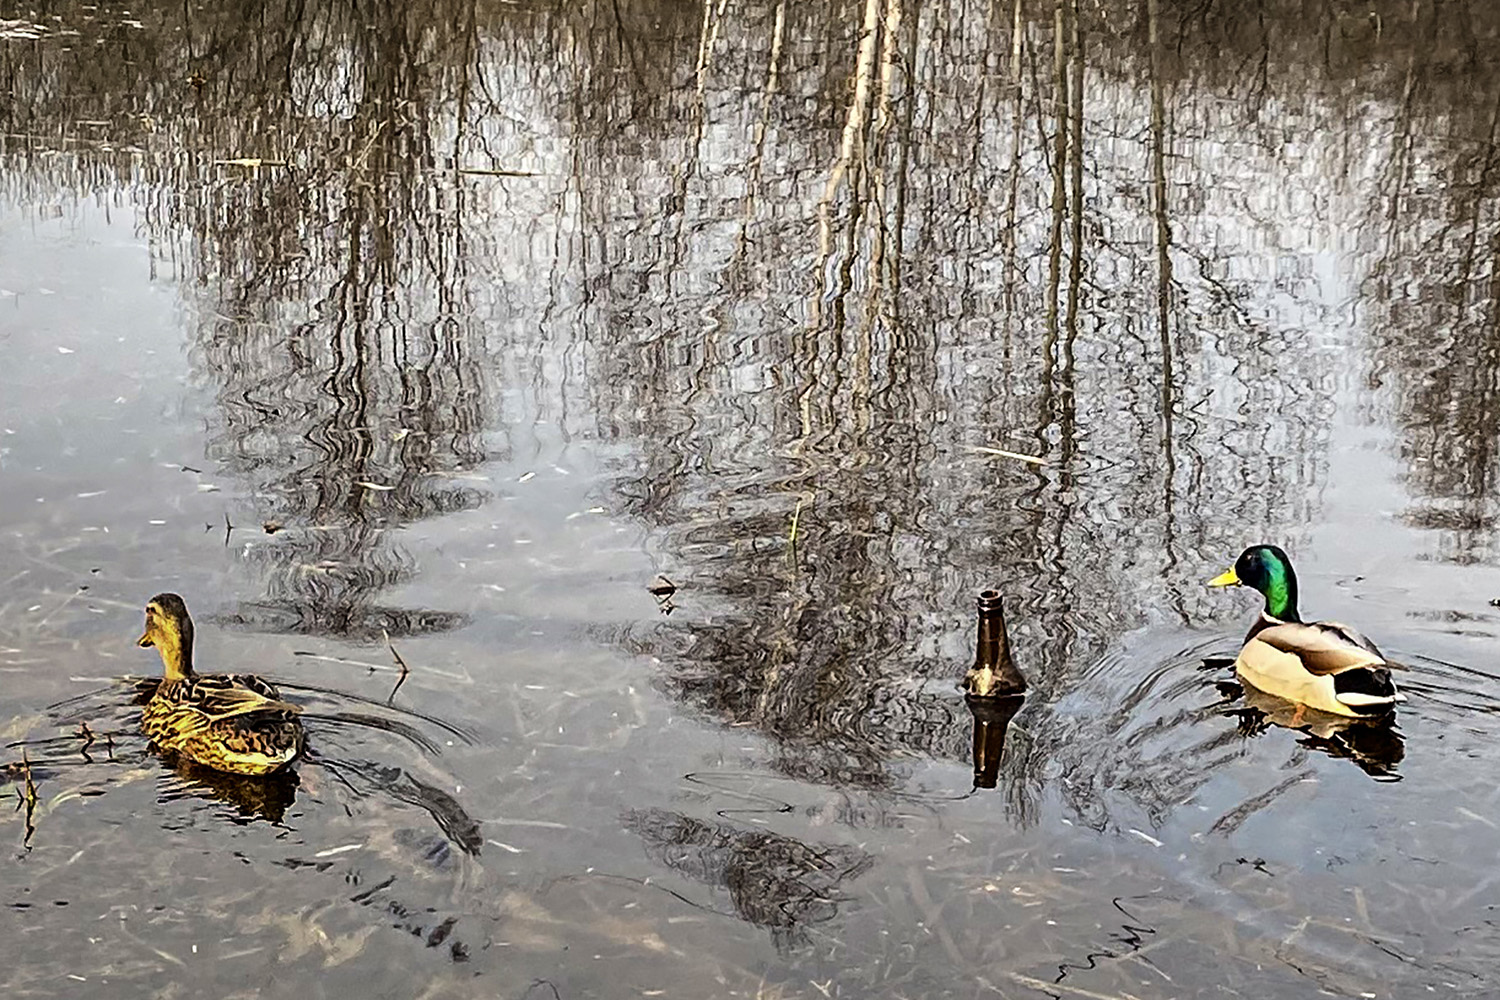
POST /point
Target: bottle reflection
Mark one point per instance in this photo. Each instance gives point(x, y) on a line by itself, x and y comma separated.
point(991, 720)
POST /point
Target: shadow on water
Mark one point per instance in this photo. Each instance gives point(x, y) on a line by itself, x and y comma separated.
point(834, 314)
point(782, 884)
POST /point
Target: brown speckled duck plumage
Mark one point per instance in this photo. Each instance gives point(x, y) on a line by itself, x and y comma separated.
point(232, 722)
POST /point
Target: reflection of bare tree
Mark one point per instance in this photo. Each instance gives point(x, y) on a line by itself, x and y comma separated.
point(329, 283)
point(1431, 239)
point(775, 882)
point(815, 466)
point(813, 266)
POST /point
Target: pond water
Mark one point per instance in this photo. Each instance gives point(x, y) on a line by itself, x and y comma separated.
point(435, 333)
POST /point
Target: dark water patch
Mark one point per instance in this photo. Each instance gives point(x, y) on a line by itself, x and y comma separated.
point(365, 624)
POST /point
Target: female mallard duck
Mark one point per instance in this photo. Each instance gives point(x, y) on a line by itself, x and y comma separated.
point(232, 722)
point(1323, 665)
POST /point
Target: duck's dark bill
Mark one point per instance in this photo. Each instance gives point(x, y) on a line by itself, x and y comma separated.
point(144, 640)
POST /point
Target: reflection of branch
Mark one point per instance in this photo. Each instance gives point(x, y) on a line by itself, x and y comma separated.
point(1230, 821)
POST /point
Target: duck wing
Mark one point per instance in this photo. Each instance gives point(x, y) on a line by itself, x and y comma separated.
point(1323, 647)
point(225, 696)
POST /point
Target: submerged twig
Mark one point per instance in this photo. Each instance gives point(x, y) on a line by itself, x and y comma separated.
point(30, 800)
point(87, 735)
point(399, 662)
point(66, 601)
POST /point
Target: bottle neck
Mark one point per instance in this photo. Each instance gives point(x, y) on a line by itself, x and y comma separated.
point(992, 648)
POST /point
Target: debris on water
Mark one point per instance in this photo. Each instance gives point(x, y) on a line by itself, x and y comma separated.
point(1002, 453)
point(341, 849)
point(662, 589)
point(504, 846)
point(29, 799)
point(992, 717)
point(483, 172)
point(271, 527)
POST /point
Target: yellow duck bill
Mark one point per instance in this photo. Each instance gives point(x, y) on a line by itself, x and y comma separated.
point(1225, 579)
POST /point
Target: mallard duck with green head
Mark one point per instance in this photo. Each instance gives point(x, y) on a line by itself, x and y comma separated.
point(1323, 665)
point(232, 722)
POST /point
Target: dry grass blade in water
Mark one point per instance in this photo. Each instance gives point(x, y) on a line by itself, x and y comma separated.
point(1002, 453)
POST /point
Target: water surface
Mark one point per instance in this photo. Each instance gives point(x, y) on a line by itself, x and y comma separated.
point(440, 331)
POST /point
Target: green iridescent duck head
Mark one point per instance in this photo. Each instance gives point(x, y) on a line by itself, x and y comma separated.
point(1267, 569)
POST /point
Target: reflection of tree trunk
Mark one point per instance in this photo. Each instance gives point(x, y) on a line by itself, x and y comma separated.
point(849, 161)
point(1472, 208)
point(1075, 269)
point(1017, 115)
point(898, 224)
point(1402, 141)
point(1163, 273)
point(889, 60)
point(773, 80)
point(1075, 273)
point(1059, 171)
